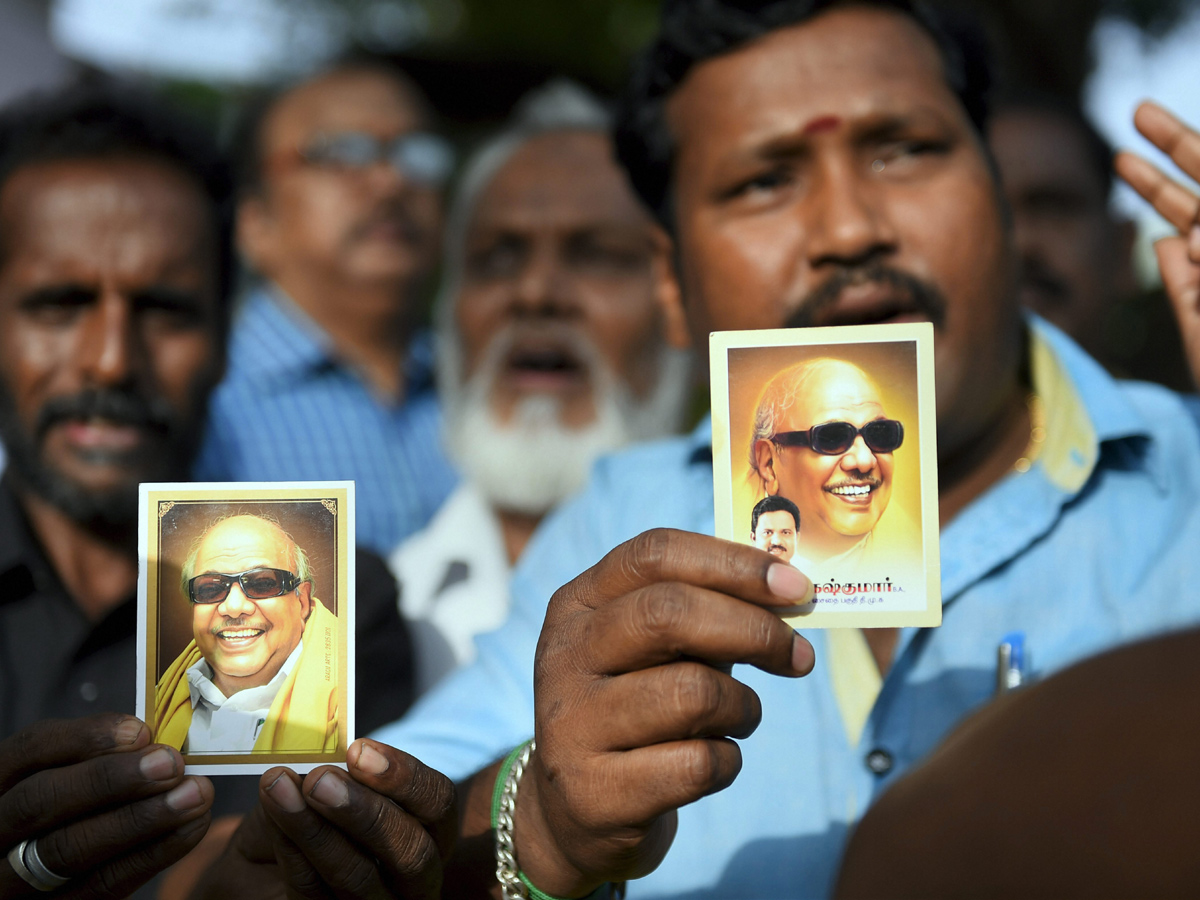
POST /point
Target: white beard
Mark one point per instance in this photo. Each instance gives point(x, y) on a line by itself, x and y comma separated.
point(533, 462)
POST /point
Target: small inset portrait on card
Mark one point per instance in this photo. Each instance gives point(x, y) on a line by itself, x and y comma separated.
point(824, 455)
point(246, 623)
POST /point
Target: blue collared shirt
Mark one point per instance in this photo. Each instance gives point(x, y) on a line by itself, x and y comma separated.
point(1095, 545)
point(290, 410)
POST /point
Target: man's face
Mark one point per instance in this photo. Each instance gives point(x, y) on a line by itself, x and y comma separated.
point(826, 174)
point(558, 252)
point(247, 641)
point(776, 533)
point(1075, 258)
point(110, 327)
point(840, 497)
point(370, 225)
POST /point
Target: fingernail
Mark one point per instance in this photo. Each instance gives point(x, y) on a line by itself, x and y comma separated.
point(330, 790)
point(284, 792)
point(371, 760)
point(1194, 243)
point(185, 796)
point(787, 583)
point(802, 655)
point(128, 731)
point(158, 765)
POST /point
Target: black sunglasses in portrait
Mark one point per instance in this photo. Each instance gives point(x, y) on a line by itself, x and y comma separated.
point(257, 584)
point(834, 438)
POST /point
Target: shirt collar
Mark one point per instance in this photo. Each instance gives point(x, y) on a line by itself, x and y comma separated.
point(276, 340)
point(1085, 409)
point(201, 685)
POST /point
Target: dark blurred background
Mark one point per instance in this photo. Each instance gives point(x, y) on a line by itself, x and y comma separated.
point(474, 58)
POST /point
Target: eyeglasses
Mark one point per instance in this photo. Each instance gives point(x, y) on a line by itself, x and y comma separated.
point(257, 584)
point(423, 157)
point(834, 438)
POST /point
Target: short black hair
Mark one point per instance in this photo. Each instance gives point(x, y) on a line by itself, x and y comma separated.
point(692, 31)
point(101, 120)
point(1098, 151)
point(773, 503)
point(246, 140)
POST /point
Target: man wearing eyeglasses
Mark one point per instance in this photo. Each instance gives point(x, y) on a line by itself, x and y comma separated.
point(339, 212)
point(823, 440)
point(248, 681)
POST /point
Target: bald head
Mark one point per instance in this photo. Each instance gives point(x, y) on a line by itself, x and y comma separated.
point(809, 447)
point(247, 635)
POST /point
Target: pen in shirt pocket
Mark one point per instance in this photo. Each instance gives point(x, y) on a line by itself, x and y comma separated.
point(1012, 662)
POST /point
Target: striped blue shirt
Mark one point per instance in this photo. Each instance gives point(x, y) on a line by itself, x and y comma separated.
point(290, 410)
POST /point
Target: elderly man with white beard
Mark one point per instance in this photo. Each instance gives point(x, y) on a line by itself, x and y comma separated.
point(551, 352)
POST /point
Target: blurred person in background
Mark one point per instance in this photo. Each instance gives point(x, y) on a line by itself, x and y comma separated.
point(339, 212)
point(1075, 252)
point(551, 351)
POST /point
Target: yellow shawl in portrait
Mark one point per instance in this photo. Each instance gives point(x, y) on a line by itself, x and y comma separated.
point(304, 714)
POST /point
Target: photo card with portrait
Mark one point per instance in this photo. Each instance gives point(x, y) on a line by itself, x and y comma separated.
point(825, 455)
point(246, 623)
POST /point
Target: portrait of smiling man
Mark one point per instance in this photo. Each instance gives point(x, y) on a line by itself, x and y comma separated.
point(260, 672)
point(823, 440)
point(775, 526)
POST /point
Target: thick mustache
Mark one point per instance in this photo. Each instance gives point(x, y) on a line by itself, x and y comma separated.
point(873, 483)
point(388, 213)
point(118, 407)
point(924, 297)
point(238, 623)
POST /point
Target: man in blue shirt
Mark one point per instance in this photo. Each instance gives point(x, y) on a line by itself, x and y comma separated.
point(811, 161)
point(339, 211)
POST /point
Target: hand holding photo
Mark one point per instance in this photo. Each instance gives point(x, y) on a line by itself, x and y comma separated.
point(242, 658)
point(824, 455)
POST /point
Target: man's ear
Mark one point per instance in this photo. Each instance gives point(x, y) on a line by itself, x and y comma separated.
point(666, 291)
point(764, 465)
point(304, 592)
point(256, 233)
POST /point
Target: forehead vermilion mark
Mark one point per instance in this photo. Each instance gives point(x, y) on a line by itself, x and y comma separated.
point(822, 123)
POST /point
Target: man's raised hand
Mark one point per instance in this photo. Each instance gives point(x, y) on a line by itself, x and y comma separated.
point(635, 704)
point(107, 809)
point(1179, 255)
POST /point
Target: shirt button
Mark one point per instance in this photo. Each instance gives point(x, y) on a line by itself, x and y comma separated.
point(880, 761)
point(89, 692)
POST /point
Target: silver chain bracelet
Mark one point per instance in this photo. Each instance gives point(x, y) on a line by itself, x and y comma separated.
point(506, 852)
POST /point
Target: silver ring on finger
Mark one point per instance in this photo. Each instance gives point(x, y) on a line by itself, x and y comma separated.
point(26, 862)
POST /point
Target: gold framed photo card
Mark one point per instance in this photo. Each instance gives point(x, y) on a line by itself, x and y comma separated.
point(246, 623)
point(825, 455)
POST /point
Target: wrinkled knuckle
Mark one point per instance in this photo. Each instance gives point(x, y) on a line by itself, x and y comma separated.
point(440, 795)
point(696, 691)
point(22, 808)
point(766, 630)
point(419, 854)
point(661, 611)
point(360, 878)
point(699, 768)
point(646, 554)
